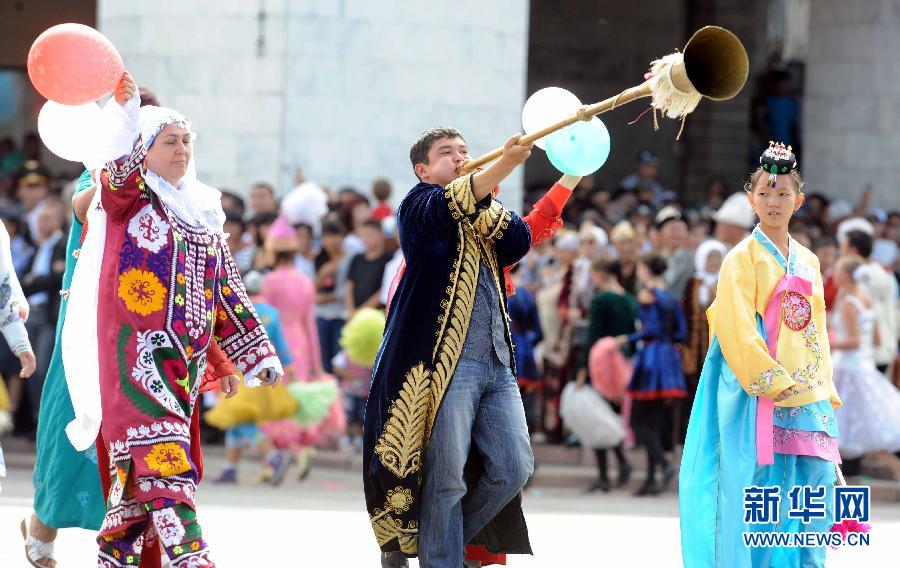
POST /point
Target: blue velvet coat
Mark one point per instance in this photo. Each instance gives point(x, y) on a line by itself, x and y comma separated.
point(445, 234)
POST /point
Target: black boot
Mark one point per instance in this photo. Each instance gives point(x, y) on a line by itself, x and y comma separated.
point(649, 487)
point(599, 485)
point(668, 473)
point(394, 560)
point(624, 474)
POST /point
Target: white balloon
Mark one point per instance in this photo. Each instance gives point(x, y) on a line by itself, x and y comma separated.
point(66, 130)
point(545, 107)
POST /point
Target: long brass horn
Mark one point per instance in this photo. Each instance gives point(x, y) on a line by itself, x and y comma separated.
point(714, 65)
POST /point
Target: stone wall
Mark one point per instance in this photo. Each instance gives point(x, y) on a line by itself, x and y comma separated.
point(223, 67)
point(337, 88)
point(364, 79)
point(852, 103)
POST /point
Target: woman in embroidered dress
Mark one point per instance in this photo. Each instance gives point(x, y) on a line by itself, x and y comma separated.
point(870, 416)
point(763, 414)
point(156, 255)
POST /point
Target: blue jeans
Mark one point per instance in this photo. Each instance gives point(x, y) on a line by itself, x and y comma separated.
point(482, 404)
point(329, 340)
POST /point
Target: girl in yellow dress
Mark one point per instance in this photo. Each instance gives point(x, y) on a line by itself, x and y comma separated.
point(763, 416)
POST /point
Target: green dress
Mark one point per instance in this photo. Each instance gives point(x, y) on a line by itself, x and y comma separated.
point(611, 315)
point(67, 490)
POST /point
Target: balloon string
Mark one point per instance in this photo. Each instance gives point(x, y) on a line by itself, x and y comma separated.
point(640, 116)
point(655, 121)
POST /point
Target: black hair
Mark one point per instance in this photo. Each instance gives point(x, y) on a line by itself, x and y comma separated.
point(655, 263)
point(232, 216)
point(262, 219)
point(861, 241)
point(373, 224)
point(418, 154)
point(606, 266)
point(238, 200)
point(266, 186)
point(333, 228)
point(307, 226)
point(826, 241)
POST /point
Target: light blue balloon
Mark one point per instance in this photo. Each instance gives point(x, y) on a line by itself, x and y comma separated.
point(579, 149)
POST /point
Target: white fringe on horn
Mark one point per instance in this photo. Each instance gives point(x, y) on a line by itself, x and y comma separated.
point(667, 98)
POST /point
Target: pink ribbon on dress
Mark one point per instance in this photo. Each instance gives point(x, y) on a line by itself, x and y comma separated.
point(765, 406)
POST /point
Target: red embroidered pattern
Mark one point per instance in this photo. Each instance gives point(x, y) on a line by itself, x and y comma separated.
point(796, 312)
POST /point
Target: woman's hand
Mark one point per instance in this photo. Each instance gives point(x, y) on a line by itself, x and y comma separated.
point(28, 362)
point(621, 340)
point(125, 89)
point(787, 393)
point(230, 385)
point(268, 377)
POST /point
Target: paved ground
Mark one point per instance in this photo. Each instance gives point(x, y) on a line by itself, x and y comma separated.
point(321, 522)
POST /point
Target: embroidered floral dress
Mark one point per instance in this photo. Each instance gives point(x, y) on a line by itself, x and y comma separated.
point(167, 288)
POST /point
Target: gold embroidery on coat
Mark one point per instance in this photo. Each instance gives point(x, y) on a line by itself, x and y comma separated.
point(388, 527)
point(400, 444)
point(492, 221)
point(456, 318)
point(460, 198)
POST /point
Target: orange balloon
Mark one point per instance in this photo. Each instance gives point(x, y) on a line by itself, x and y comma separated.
point(74, 64)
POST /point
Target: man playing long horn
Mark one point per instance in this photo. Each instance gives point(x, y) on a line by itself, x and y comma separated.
point(444, 405)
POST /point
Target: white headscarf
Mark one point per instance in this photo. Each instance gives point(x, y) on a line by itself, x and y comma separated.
point(194, 202)
point(124, 130)
point(132, 129)
point(701, 255)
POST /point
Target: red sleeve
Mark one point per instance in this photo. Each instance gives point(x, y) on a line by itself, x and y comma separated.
point(217, 366)
point(544, 220)
point(121, 184)
point(545, 217)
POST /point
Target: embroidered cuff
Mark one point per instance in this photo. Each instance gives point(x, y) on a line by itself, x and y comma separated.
point(492, 221)
point(460, 197)
point(770, 383)
point(16, 336)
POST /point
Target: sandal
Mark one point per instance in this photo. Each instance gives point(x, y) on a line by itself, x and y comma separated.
point(38, 553)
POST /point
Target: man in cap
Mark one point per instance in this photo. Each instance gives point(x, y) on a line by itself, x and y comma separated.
point(32, 189)
point(733, 220)
point(672, 242)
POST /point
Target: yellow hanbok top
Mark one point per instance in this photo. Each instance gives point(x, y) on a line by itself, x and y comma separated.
point(749, 276)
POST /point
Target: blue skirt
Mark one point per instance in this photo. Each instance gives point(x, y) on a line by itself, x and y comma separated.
point(719, 462)
point(657, 372)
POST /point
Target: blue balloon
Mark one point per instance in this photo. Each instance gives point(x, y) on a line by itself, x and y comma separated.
point(579, 149)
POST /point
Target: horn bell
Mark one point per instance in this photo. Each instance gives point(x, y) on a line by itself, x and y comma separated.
point(716, 63)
